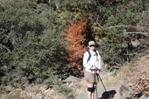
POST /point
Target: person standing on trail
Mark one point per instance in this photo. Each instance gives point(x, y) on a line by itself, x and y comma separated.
point(92, 65)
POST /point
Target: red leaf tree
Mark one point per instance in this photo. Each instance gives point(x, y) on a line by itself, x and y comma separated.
point(74, 37)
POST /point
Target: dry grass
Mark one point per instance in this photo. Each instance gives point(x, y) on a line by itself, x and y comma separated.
point(140, 82)
point(130, 69)
point(80, 88)
point(31, 92)
point(15, 94)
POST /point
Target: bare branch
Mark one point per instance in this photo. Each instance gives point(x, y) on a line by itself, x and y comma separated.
point(120, 26)
point(5, 47)
point(142, 33)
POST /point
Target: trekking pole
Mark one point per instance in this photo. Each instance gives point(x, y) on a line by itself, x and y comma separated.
point(96, 87)
point(102, 82)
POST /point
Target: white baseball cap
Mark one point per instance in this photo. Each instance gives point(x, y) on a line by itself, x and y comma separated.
point(91, 43)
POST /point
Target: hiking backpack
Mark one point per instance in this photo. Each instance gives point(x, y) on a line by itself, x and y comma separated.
point(90, 54)
point(82, 67)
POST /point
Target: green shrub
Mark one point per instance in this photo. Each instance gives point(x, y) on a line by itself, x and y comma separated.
point(115, 48)
point(30, 43)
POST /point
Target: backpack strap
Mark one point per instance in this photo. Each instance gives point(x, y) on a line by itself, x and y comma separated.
point(96, 52)
point(90, 54)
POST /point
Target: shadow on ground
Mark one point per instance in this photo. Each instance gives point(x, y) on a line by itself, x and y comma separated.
point(108, 94)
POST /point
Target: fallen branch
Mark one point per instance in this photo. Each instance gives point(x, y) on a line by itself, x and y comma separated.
point(120, 26)
point(142, 33)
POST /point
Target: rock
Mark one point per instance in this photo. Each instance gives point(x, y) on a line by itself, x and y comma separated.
point(39, 96)
point(136, 86)
point(113, 73)
point(144, 97)
point(71, 79)
point(126, 92)
point(135, 43)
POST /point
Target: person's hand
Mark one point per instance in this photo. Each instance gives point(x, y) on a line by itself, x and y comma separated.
point(93, 67)
point(98, 71)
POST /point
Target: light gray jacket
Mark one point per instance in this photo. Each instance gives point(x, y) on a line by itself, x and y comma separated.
point(94, 60)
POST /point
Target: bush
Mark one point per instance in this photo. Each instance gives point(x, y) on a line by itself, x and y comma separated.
point(115, 48)
point(75, 37)
point(30, 43)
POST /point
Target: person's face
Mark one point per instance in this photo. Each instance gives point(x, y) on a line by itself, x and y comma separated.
point(92, 47)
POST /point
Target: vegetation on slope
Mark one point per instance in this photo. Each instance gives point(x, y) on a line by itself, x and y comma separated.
point(32, 34)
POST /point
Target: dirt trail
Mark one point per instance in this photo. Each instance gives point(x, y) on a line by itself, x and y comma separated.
point(112, 88)
point(113, 83)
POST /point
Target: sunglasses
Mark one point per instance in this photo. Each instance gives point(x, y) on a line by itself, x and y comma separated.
point(92, 46)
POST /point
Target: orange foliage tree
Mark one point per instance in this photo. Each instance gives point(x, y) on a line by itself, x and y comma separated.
point(74, 37)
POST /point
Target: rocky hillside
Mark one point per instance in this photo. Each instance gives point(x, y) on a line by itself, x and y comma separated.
point(132, 82)
point(137, 84)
